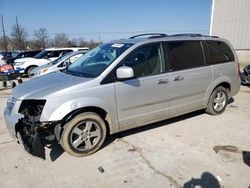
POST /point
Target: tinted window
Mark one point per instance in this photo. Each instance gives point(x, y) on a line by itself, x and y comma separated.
point(219, 52)
point(185, 55)
point(66, 51)
point(147, 60)
point(33, 53)
point(48, 54)
point(21, 55)
point(52, 54)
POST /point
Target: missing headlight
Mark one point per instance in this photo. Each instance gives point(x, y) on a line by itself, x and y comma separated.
point(32, 109)
point(30, 130)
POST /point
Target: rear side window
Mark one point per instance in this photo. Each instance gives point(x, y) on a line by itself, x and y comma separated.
point(185, 55)
point(218, 52)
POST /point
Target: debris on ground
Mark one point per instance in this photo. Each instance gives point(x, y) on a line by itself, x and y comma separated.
point(228, 148)
point(101, 169)
point(132, 150)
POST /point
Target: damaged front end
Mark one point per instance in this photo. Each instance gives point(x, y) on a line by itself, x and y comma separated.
point(30, 131)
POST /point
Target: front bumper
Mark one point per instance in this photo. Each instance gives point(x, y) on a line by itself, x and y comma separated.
point(21, 70)
point(11, 120)
point(17, 126)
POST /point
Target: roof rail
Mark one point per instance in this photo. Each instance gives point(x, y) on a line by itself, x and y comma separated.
point(193, 35)
point(211, 36)
point(188, 34)
point(153, 35)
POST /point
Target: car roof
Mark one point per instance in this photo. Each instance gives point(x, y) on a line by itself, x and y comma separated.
point(163, 37)
point(30, 51)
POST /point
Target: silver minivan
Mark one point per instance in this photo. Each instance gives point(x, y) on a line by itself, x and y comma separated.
point(122, 85)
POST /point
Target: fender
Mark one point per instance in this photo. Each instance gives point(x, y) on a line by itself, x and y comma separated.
point(53, 112)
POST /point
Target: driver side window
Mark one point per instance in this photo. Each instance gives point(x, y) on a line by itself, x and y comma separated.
point(147, 60)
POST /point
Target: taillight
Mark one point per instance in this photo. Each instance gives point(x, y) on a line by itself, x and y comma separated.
point(238, 70)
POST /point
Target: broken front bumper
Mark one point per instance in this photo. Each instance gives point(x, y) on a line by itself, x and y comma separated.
point(30, 134)
point(11, 120)
point(35, 147)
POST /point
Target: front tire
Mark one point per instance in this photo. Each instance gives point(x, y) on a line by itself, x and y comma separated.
point(84, 134)
point(218, 101)
point(29, 71)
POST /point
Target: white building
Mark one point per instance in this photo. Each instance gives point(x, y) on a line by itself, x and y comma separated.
point(230, 19)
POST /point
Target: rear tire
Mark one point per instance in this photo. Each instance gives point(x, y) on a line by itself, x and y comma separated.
point(84, 134)
point(217, 101)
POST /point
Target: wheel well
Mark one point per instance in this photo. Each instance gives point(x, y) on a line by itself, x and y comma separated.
point(26, 70)
point(225, 85)
point(102, 113)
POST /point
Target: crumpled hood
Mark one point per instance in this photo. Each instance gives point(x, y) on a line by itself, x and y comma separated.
point(50, 85)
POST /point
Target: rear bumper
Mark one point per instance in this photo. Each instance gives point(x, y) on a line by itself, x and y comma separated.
point(235, 87)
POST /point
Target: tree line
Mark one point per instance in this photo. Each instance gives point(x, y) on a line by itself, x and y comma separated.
point(19, 40)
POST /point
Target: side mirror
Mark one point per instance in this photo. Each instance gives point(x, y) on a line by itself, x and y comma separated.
point(124, 72)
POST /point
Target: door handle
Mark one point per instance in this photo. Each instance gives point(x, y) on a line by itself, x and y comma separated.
point(178, 78)
point(162, 81)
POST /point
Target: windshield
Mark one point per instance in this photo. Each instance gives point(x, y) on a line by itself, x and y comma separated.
point(97, 60)
point(41, 55)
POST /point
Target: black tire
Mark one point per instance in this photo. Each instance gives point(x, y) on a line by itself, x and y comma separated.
point(20, 81)
point(13, 84)
point(211, 106)
point(4, 84)
point(76, 131)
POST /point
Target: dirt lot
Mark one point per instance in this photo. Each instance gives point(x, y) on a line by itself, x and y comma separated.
point(194, 149)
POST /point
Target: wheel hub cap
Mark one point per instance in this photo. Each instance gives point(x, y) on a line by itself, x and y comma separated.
point(219, 101)
point(85, 135)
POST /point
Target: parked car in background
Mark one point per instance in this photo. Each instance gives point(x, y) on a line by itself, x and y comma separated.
point(22, 55)
point(6, 54)
point(42, 58)
point(2, 59)
point(6, 68)
point(245, 75)
point(122, 85)
point(14, 53)
point(58, 64)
